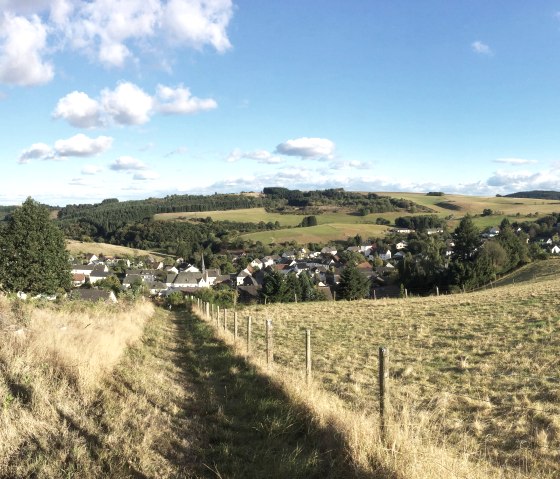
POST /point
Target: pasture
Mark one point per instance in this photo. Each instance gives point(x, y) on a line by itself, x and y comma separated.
point(476, 372)
point(84, 247)
point(341, 223)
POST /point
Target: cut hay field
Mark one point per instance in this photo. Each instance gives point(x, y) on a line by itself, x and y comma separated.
point(478, 373)
point(342, 224)
point(84, 247)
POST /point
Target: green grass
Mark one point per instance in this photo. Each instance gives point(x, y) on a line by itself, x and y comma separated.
point(341, 224)
point(317, 234)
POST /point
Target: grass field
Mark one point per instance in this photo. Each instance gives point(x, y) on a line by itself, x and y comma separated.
point(342, 224)
point(477, 372)
point(81, 247)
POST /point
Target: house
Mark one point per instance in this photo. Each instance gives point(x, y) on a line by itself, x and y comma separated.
point(555, 249)
point(248, 293)
point(85, 269)
point(267, 261)
point(91, 258)
point(171, 269)
point(257, 264)
point(131, 279)
point(401, 245)
point(386, 256)
point(156, 287)
point(191, 269)
point(329, 250)
point(210, 275)
point(242, 276)
point(96, 276)
point(93, 295)
point(78, 279)
point(190, 280)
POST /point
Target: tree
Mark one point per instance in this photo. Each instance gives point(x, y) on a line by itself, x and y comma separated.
point(33, 256)
point(353, 284)
point(466, 239)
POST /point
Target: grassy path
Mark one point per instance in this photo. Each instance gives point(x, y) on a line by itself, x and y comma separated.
point(180, 405)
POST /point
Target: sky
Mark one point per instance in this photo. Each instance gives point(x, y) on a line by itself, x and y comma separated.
point(133, 99)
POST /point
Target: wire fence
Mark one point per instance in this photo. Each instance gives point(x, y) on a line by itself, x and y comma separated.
point(401, 391)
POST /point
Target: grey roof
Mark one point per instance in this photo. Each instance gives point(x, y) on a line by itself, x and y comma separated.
point(92, 294)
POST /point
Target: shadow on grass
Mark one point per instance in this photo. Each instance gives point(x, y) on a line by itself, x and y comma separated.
point(250, 428)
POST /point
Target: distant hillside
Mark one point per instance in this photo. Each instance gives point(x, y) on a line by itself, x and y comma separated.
point(536, 194)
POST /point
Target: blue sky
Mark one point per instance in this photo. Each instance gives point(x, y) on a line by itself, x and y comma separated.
point(145, 98)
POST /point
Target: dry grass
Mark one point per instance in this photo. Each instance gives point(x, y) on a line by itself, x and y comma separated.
point(52, 359)
point(84, 247)
point(474, 378)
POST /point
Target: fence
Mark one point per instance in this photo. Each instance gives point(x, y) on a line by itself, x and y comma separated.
point(396, 388)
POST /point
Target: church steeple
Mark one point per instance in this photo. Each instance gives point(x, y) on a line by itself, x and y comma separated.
point(203, 267)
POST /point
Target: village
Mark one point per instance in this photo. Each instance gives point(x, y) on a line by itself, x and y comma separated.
point(160, 278)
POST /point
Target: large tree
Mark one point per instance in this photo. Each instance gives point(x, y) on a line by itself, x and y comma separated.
point(33, 256)
point(353, 283)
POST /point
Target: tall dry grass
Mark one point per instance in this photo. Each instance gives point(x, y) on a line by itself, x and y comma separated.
point(473, 387)
point(52, 358)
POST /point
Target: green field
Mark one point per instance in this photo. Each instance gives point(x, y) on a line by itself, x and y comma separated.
point(341, 224)
point(317, 234)
point(477, 371)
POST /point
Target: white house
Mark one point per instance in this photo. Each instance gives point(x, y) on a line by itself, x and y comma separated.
point(555, 249)
point(385, 256)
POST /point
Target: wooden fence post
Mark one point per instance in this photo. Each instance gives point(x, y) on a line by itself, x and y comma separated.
point(437, 291)
point(269, 346)
point(235, 326)
point(217, 317)
point(248, 335)
point(308, 355)
point(225, 319)
point(383, 383)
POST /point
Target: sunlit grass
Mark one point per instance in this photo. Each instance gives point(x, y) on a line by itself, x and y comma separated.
point(478, 372)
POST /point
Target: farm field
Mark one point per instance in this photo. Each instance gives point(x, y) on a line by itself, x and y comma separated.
point(84, 247)
point(342, 224)
point(479, 371)
point(317, 234)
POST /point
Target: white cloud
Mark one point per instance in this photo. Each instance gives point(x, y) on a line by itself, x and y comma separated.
point(199, 22)
point(145, 175)
point(260, 156)
point(525, 180)
point(127, 163)
point(127, 104)
point(37, 151)
point(515, 161)
point(307, 148)
point(91, 170)
point(105, 28)
point(350, 165)
point(78, 109)
point(112, 32)
point(22, 43)
point(481, 48)
point(78, 182)
point(179, 100)
point(81, 145)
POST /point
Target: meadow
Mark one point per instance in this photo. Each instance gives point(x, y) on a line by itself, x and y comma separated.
point(341, 223)
point(475, 376)
point(53, 358)
point(84, 247)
